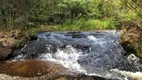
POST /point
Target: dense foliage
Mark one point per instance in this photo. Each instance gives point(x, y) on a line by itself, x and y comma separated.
point(68, 14)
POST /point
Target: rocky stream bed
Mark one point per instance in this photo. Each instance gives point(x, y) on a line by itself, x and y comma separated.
point(66, 56)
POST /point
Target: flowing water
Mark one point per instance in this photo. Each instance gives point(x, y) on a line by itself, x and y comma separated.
point(90, 53)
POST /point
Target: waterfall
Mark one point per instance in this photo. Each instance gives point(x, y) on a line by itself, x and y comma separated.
point(90, 53)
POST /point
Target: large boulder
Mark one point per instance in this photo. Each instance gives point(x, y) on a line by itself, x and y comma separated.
point(38, 70)
point(30, 68)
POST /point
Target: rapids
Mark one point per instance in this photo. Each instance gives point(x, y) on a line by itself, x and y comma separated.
point(90, 53)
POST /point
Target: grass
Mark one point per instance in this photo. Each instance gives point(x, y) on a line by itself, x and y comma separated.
point(90, 24)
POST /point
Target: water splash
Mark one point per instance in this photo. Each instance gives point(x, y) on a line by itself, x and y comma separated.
point(91, 53)
point(67, 57)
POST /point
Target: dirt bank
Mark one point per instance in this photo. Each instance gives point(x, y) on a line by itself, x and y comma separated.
point(10, 40)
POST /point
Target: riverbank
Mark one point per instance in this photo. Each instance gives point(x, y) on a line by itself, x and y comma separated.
point(9, 40)
point(131, 40)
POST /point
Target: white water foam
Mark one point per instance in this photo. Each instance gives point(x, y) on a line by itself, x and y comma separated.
point(66, 57)
point(91, 37)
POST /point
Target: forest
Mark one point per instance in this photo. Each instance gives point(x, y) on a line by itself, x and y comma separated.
point(75, 15)
point(70, 14)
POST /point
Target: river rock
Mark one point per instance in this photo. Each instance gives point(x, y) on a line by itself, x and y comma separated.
point(38, 70)
point(30, 68)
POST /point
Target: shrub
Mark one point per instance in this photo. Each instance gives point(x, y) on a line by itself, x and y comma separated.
point(90, 24)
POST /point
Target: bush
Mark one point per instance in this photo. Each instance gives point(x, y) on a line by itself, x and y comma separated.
point(90, 24)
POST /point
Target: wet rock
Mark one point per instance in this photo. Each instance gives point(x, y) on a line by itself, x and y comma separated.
point(30, 68)
point(33, 49)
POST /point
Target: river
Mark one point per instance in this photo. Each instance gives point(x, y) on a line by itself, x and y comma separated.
point(89, 53)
